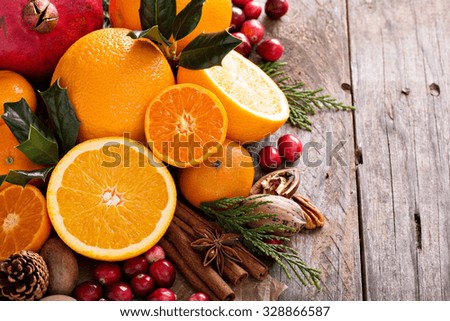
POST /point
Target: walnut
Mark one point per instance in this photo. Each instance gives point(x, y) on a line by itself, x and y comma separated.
point(283, 182)
point(314, 218)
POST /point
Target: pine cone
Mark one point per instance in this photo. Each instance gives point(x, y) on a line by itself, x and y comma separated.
point(23, 276)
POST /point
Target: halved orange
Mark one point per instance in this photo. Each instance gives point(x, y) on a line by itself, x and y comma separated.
point(254, 103)
point(24, 223)
point(110, 199)
point(185, 124)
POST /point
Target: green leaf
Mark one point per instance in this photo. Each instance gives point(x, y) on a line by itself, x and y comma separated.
point(18, 177)
point(151, 33)
point(19, 118)
point(62, 116)
point(188, 18)
point(158, 12)
point(39, 148)
point(207, 50)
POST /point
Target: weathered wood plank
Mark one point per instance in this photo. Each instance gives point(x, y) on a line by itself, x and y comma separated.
point(399, 50)
point(315, 37)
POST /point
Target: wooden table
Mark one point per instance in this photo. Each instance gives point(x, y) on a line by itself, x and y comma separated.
point(381, 173)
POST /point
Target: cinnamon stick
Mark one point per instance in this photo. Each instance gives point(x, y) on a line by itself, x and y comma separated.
point(208, 275)
point(232, 272)
point(186, 270)
point(193, 220)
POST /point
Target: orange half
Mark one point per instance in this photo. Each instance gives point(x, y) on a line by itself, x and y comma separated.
point(185, 124)
point(109, 199)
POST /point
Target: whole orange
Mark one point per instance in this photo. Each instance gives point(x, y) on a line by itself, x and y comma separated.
point(110, 79)
point(13, 87)
point(227, 173)
point(10, 157)
point(216, 16)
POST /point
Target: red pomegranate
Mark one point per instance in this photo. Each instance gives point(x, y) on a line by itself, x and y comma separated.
point(34, 34)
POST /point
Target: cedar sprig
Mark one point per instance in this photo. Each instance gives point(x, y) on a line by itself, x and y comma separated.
point(302, 103)
point(233, 215)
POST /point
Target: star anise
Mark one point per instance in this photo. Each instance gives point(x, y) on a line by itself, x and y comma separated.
point(218, 247)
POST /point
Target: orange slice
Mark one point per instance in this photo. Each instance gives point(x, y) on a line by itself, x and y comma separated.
point(185, 124)
point(24, 223)
point(254, 103)
point(109, 199)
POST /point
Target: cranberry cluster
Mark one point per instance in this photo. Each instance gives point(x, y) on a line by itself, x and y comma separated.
point(289, 147)
point(146, 277)
point(245, 26)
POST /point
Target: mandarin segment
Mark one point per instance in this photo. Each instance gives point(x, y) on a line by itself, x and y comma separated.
point(185, 124)
point(109, 199)
point(24, 223)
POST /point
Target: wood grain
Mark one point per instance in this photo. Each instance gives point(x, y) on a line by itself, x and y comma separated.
point(399, 59)
point(314, 34)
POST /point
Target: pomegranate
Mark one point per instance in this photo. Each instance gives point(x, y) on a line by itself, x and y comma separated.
point(36, 33)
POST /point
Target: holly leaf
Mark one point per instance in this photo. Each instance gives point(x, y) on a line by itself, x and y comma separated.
point(19, 177)
point(158, 12)
point(62, 116)
point(188, 18)
point(207, 50)
point(152, 33)
point(19, 118)
point(39, 148)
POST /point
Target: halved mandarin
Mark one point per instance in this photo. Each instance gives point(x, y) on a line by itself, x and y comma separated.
point(110, 199)
point(185, 124)
point(24, 223)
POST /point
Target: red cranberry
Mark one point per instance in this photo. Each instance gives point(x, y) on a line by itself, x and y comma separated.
point(154, 254)
point(134, 266)
point(107, 273)
point(237, 19)
point(162, 294)
point(88, 291)
point(254, 30)
point(241, 3)
point(290, 147)
point(270, 50)
point(252, 10)
point(245, 48)
point(199, 296)
point(142, 284)
point(119, 292)
point(275, 242)
point(163, 273)
point(269, 158)
point(275, 9)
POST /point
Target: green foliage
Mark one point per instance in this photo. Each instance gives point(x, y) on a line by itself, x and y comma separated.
point(234, 214)
point(164, 27)
point(302, 103)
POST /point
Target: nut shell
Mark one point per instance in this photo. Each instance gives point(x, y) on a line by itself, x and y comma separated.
point(62, 266)
point(287, 212)
point(283, 182)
